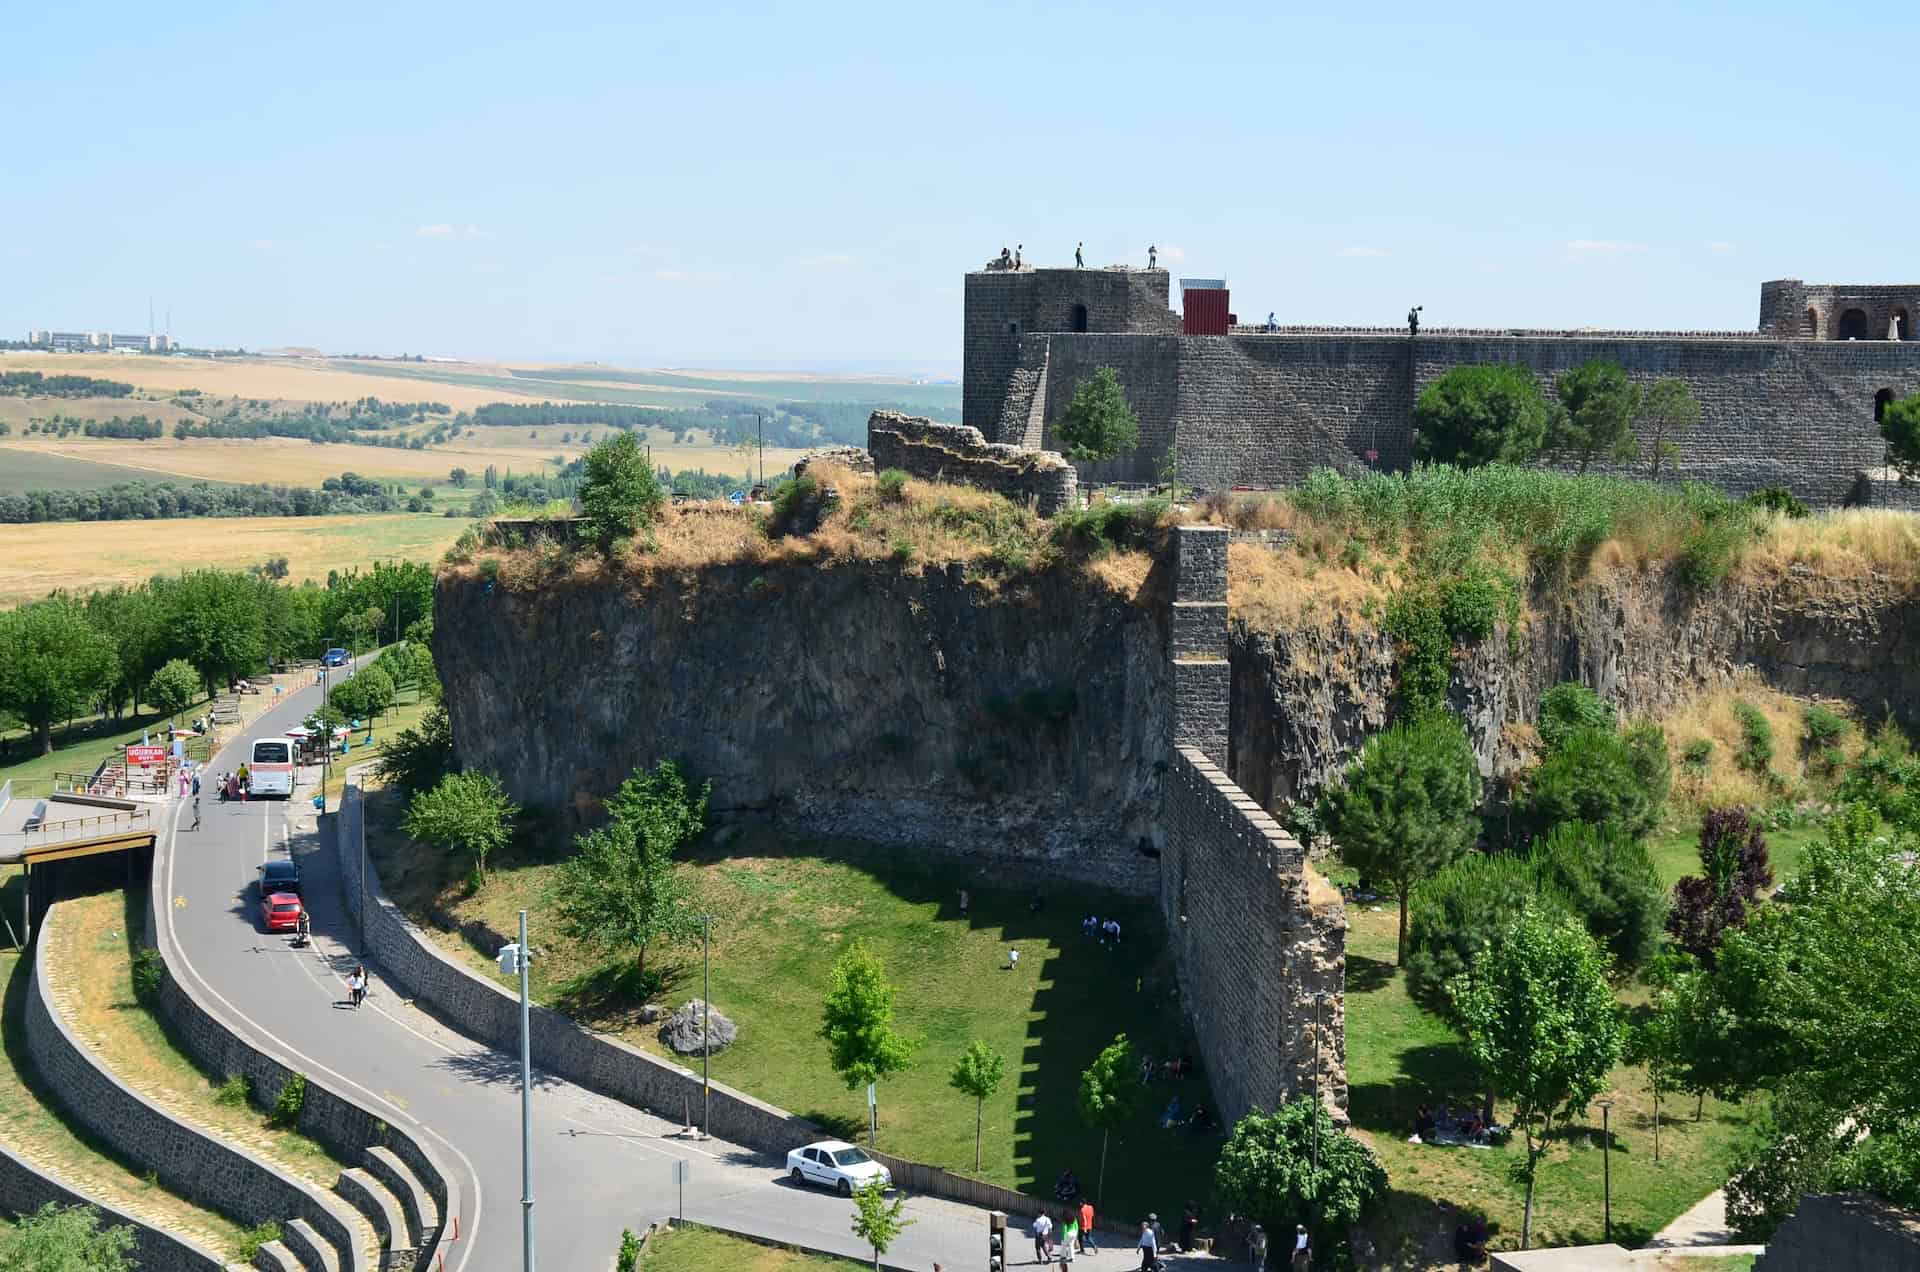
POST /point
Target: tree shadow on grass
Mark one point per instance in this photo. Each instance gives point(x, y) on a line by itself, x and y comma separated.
point(840, 1125)
point(610, 996)
point(1365, 975)
point(1433, 1074)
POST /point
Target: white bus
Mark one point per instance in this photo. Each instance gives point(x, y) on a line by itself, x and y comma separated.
point(270, 771)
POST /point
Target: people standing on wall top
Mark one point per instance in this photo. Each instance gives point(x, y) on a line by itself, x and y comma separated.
point(1153, 256)
point(1079, 261)
point(1018, 248)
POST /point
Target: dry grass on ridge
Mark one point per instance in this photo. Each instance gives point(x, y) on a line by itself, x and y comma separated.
point(1723, 782)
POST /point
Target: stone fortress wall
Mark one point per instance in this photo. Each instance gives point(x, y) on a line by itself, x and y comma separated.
point(954, 452)
point(1263, 408)
point(1258, 937)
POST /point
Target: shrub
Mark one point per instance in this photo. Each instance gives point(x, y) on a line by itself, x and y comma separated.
point(1900, 425)
point(1106, 524)
point(1715, 541)
point(147, 973)
point(416, 758)
point(233, 1093)
point(1698, 754)
point(629, 1257)
point(1756, 738)
point(1825, 727)
point(902, 550)
point(1267, 1172)
point(1777, 499)
point(1098, 423)
point(1491, 414)
point(619, 493)
point(891, 485)
point(1596, 777)
point(292, 1099)
point(796, 508)
point(1610, 883)
point(1570, 706)
point(247, 1248)
point(1458, 913)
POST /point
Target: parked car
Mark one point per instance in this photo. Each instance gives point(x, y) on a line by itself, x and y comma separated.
point(837, 1164)
point(280, 912)
point(279, 876)
point(335, 658)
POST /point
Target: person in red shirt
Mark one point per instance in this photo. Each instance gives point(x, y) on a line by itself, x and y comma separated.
point(1086, 1229)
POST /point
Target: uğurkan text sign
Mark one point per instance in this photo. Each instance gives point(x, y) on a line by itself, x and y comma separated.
point(146, 755)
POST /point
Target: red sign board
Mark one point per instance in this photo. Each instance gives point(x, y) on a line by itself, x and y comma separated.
point(144, 755)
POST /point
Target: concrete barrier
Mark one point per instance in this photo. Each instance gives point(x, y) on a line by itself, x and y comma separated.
point(185, 1159)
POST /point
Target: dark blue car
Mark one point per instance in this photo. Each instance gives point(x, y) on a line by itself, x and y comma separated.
point(334, 658)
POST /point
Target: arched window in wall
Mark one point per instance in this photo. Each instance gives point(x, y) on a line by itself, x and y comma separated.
point(1079, 317)
point(1881, 401)
point(1906, 322)
point(1853, 325)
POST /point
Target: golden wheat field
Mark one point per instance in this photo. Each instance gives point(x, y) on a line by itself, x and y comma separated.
point(37, 558)
point(290, 461)
point(289, 379)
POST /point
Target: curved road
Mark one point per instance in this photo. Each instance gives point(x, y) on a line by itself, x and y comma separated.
point(599, 1165)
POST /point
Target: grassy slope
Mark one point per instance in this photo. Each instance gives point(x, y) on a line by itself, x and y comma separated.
point(23, 469)
point(32, 1126)
point(789, 906)
point(694, 1249)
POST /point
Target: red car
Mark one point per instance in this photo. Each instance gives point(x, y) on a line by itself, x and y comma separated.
point(280, 912)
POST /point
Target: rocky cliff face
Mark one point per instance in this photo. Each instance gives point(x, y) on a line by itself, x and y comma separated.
point(1304, 700)
point(1025, 719)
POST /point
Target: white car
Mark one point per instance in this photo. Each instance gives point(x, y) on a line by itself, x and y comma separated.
point(839, 1165)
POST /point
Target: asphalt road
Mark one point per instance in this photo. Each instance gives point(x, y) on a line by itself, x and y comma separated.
point(599, 1165)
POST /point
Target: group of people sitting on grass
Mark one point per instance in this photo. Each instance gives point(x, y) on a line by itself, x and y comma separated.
point(1444, 1126)
point(1178, 1119)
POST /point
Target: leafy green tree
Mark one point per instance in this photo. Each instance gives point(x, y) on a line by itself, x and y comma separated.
point(1568, 706)
point(126, 616)
point(420, 755)
point(464, 810)
point(1461, 913)
point(620, 891)
point(1406, 806)
point(1610, 883)
point(1594, 418)
point(458, 477)
point(52, 665)
point(1489, 414)
point(1596, 778)
point(619, 493)
point(877, 1221)
point(1110, 1093)
point(1266, 1171)
point(363, 695)
point(215, 620)
point(1735, 872)
point(1098, 423)
point(1543, 1028)
point(978, 1073)
point(857, 1020)
point(1900, 425)
point(174, 687)
point(58, 1238)
point(1668, 412)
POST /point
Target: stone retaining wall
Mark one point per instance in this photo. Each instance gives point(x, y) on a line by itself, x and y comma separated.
point(957, 453)
point(1844, 1230)
point(345, 1128)
point(24, 1188)
point(186, 1160)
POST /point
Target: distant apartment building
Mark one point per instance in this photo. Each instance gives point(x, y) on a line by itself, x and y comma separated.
point(80, 341)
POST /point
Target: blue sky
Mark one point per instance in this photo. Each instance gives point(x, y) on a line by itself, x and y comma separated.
point(801, 184)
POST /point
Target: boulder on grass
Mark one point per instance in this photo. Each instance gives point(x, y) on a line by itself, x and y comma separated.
point(682, 1032)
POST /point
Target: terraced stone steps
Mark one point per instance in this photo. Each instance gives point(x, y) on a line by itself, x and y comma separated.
point(371, 1198)
point(275, 1257)
point(315, 1253)
point(415, 1202)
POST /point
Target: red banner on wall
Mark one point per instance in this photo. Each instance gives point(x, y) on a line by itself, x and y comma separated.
point(144, 755)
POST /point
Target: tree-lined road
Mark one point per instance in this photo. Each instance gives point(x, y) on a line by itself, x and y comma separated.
point(599, 1165)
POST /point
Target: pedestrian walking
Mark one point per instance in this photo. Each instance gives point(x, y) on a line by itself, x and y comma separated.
point(1086, 1229)
point(357, 986)
point(1069, 1237)
point(1013, 960)
point(1079, 260)
point(1149, 1246)
point(965, 900)
point(196, 813)
point(1257, 1248)
point(1042, 1229)
point(1302, 1249)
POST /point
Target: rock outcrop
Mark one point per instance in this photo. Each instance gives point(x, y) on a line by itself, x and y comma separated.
point(686, 1029)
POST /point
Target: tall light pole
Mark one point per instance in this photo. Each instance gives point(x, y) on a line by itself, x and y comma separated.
point(706, 1025)
point(526, 1110)
point(1606, 1164)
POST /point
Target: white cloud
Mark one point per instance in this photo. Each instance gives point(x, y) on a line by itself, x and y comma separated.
point(1719, 246)
point(450, 231)
point(827, 260)
point(688, 275)
point(1602, 249)
point(1173, 255)
point(1361, 250)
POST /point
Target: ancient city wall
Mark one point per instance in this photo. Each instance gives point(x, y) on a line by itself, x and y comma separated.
point(24, 1188)
point(1258, 938)
point(958, 453)
point(1263, 409)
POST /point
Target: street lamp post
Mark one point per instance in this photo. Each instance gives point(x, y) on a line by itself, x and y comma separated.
point(706, 1026)
point(1606, 1164)
point(526, 1109)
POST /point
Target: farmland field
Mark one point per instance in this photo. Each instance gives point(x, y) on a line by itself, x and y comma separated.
point(292, 461)
point(35, 559)
point(29, 467)
point(296, 379)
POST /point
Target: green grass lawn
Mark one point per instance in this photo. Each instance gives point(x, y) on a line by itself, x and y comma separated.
point(789, 905)
point(1677, 854)
point(695, 1249)
point(80, 748)
point(24, 470)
